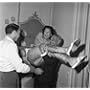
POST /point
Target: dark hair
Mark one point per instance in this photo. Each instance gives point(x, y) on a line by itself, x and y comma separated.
point(11, 27)
point(61, 42)
point(21, 38)
point(53, 32)
point(19, 42)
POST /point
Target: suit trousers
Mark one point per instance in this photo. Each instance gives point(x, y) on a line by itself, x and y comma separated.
point(9, 80)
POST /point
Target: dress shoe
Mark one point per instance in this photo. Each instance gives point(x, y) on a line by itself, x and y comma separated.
point(74, 44)
point(77, 42)
point(81, 66)
point(76, 62)
point(77, 51)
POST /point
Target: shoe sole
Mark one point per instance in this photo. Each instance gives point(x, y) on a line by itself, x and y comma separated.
point(76, 64)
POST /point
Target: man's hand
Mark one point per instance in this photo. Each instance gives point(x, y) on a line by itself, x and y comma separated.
point(50, 54)
point(38, 71)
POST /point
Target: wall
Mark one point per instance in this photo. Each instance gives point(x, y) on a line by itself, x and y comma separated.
point(63, 15)
point(63, 20)
point(7, 10)
point(88, 46)
point(44, 11)
point(70, 21)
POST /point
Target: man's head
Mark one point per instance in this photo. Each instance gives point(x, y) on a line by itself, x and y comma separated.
point(57, 40)
point(12, 30)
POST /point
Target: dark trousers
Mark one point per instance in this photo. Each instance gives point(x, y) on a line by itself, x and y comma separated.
point(49, 78)
point(9, 80)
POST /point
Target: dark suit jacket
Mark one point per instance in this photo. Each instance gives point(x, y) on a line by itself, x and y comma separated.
point(50, 68)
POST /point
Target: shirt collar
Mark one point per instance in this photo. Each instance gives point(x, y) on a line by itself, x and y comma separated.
point(7, 37)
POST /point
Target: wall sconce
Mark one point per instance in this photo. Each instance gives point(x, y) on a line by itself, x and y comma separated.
point(6, 21)
point(13, 19)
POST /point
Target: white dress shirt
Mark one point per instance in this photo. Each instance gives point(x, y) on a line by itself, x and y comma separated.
point(9, 58)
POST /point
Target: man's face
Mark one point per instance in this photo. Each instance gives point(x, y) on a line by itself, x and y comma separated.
point(54, 40)
point(17, 33)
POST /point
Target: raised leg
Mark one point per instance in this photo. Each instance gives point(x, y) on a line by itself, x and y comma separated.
point(74, 62)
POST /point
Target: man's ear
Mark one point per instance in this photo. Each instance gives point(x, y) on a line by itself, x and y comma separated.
point(13, 32)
